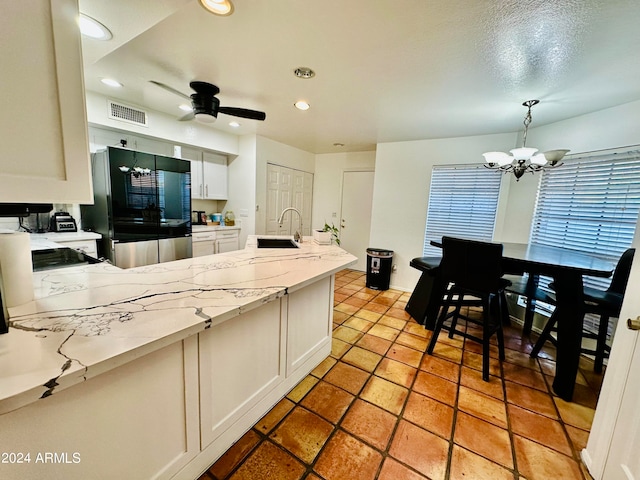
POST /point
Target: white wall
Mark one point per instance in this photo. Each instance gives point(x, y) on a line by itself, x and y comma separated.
point(327, 183)
point(401, 192)
point(242, 186)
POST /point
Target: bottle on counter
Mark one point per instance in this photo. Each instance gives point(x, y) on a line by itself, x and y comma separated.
point(229, 218)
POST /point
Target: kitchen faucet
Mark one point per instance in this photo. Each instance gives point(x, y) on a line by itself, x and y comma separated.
point(297, 237)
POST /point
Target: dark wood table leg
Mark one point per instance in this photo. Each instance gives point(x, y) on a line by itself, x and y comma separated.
point(570, 314)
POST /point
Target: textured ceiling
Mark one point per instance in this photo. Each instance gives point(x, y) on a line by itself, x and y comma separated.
point(386, 70)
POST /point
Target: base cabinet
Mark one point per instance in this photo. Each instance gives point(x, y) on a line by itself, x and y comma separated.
point(249, 363)
point(173, 412)
point(136, 421)
point(234, 380)
point(214, 241)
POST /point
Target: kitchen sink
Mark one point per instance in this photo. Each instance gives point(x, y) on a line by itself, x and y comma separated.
point(276, 243)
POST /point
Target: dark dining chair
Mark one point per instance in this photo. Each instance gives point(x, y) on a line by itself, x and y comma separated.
point(425, 301)
point(605, 303)
point(472, 268)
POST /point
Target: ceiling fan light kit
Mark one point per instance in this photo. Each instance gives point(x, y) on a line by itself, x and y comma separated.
point(524, 159)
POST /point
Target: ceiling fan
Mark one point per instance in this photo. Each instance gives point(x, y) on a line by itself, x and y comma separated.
point(206, 105)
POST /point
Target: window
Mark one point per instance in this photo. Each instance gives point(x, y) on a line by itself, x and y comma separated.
point(590, 204)
point(463, 201)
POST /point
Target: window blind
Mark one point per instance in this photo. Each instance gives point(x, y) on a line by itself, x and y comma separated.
point(590, 204)
point(463, 201)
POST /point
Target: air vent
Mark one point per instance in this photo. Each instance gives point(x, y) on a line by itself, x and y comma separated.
point(125, 113)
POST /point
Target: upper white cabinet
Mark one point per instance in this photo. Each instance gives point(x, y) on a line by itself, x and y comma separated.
point(214, 173)
point(43, 123)
point(208, 174)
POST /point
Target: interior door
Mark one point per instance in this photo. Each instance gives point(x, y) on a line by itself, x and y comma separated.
point(355, 224)
point(614, 441)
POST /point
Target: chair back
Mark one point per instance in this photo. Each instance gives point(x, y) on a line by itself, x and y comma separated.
point(622, 272)
point(471, 264)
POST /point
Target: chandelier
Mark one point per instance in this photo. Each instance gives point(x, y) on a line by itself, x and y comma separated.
point(524, 159)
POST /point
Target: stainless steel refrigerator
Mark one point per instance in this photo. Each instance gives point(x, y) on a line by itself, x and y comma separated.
point(142, 207)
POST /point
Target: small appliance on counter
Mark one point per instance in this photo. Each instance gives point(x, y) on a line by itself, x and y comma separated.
point(200, 217)
point(63, 222)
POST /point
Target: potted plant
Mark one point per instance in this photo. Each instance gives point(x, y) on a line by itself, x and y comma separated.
point(327, 235)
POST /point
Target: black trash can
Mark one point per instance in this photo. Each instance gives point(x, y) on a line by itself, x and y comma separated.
point(379, 268)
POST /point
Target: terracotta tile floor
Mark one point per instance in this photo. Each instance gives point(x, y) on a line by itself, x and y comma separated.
point(380, 408)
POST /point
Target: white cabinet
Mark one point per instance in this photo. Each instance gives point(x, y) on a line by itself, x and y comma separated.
point(203, 243)
point(214, 241)
point(148, 406)
point(241, 361)
point(249, 363)
point(208, 174)
point(227, 241)
point(214, 175)
point(43, 122)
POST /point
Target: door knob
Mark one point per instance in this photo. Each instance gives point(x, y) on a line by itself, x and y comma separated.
point(633, 324)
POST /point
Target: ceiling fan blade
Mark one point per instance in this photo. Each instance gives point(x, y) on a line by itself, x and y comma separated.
point(169, 89)
point(188, 116)
point(243, 112)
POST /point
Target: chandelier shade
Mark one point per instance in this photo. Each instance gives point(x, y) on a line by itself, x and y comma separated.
point(524, 159)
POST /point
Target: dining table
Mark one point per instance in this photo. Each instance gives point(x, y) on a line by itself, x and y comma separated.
point(567, 267)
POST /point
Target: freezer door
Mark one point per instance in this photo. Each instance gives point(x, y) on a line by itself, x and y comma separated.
point(174, 248)
point(135, 254)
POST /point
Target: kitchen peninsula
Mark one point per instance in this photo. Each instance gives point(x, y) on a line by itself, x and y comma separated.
point(154, 372)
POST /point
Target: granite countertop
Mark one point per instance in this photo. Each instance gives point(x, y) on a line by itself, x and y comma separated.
point(87, 320)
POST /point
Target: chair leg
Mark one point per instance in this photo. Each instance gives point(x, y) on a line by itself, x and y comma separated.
point(544, 336)
point(439, 323)
point(601, 343)
point(456, 315)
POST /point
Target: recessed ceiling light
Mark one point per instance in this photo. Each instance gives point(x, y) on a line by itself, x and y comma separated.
point(111, 82)
point(234, 124)
point(218, 7)
point(302, 105)
point(92, 28)
point(304, 72)
point(186, 108)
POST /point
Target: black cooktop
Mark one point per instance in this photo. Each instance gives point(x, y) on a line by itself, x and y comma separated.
point(51, 258)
